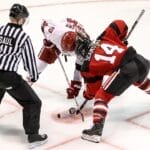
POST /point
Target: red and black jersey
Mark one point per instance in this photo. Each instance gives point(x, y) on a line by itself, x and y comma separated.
point(106, 57)
point(110, 50)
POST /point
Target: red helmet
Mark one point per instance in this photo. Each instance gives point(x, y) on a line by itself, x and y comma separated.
point(120, 27)
point(117, 30)
point(68, 42)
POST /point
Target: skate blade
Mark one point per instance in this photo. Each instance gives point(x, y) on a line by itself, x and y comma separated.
point(36, 144)
point(93, 138)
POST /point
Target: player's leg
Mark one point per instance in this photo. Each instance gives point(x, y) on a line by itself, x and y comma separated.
point(144, 82)
point(145, 85)
point(100, 110)
point(2, 93)
point(31, 104)
point(116, 84)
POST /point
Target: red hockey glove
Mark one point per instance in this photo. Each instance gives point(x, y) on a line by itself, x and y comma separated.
point(125, 42)
point(87, 96)
point(74, 89)
point(48, 52)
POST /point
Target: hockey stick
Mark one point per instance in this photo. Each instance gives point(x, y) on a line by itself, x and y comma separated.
point(81, 107)
point(60, 62)
point(67, 79)
point(135, 23)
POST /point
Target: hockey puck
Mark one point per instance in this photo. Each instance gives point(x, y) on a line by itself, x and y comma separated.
point(58, 115)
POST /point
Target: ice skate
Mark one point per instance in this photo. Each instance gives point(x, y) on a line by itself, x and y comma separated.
point(94, 134)
point(36, 140)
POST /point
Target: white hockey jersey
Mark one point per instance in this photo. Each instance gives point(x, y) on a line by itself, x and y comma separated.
point(54, 31)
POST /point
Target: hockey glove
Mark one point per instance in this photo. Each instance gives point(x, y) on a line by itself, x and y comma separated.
point(87, 96)
point(74, 89)
point(125, 42)
point(48, 52)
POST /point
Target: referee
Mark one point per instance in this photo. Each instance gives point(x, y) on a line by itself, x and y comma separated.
point(15, 45)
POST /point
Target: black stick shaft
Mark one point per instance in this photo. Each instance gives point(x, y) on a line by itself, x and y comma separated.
point(135, 23)
point(81, 107)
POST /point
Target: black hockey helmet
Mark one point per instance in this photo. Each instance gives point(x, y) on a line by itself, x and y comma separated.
point(18, 11)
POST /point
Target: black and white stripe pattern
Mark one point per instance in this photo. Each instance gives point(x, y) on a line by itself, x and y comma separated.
point(15, 45)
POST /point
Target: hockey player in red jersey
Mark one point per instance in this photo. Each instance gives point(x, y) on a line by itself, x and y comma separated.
point(62, 36)
point(125, 67)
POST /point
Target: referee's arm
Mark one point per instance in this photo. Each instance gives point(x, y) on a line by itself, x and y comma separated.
point(29, 60)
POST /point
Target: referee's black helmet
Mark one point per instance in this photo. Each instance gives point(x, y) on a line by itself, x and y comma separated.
point(18, 11)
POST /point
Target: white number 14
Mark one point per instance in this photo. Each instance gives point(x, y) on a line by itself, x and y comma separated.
point(109, 49)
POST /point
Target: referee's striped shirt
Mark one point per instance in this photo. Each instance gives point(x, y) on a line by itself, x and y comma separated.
point(15, 45)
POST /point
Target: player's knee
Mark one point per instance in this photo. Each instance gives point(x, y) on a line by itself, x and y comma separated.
point(104, 95)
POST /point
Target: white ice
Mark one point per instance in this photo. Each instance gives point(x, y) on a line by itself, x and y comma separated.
point(127, 126)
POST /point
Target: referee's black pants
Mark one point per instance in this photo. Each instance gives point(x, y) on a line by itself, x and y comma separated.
point(19, 89)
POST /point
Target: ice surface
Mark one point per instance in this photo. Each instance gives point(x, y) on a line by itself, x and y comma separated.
point(128, 122)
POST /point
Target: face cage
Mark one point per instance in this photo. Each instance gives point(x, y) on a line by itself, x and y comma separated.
point(81, 52)
point(82, 47)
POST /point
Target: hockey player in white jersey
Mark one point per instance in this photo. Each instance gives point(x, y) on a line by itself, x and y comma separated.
point(63, 36)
